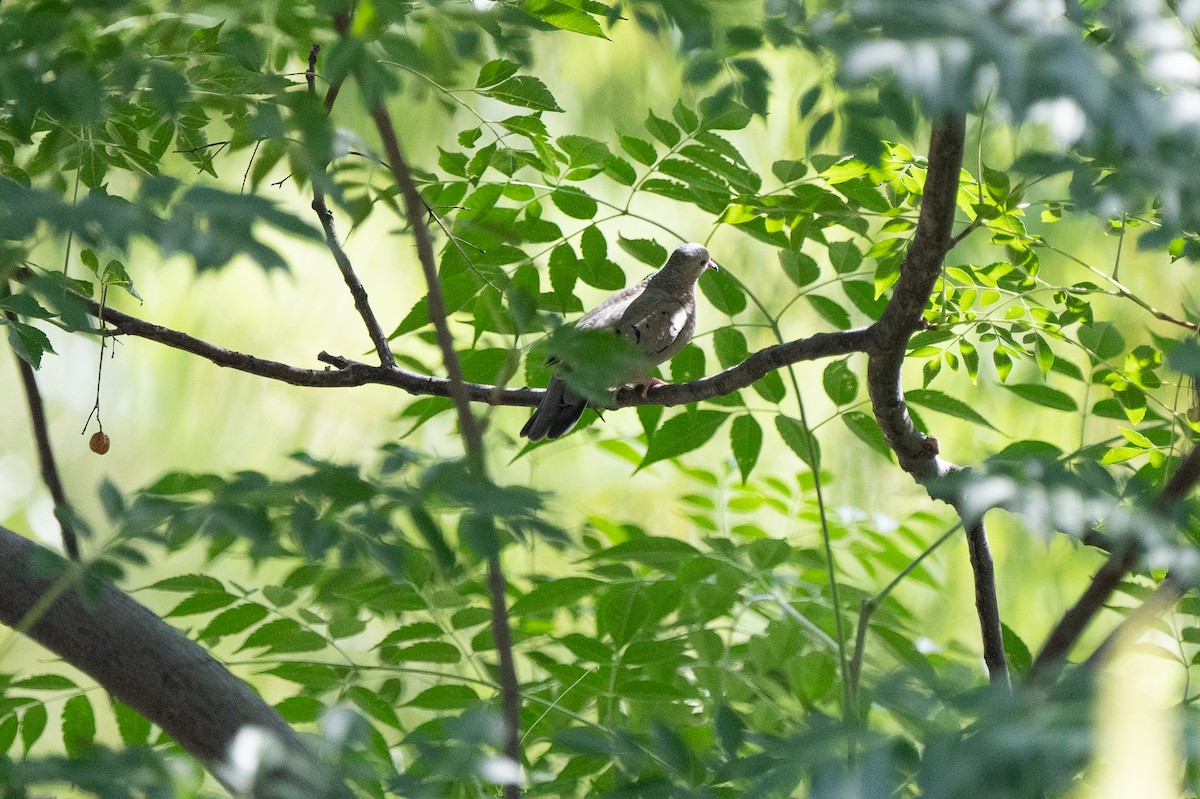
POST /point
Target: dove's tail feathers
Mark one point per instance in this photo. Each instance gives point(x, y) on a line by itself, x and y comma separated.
point(558, 412)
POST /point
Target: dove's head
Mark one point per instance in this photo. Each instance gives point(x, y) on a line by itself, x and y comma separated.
point(687, 264)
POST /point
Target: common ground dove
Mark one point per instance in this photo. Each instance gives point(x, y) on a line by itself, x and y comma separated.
point(658, 316)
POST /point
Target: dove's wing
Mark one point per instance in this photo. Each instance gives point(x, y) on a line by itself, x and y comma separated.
point(660, 325)
point(607, 315)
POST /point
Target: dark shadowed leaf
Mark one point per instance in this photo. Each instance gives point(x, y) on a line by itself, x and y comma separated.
point(683, 433)
point(745, 438)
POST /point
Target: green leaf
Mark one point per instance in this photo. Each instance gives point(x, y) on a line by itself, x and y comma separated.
point(867, 430)
point(478, 531)
point(647, 251)
point(745, 439)
point(819, 130)
point(730, 346)
point(656, 551)
point(78, 726)
point(639, 150)
point(1043, 395)
point(622, 612)
point(583, 151)
point(723, 114)
point(555, 594)
point(831, 311)
point(444, 697)
point(525, 91)
point(188, 583)
point(789, 171)
point(45, 682)
point(799, 440)
point(1183, 358)
point(1103, 339)
point(373, 705)
point(93, 164)
point(662, 130)
point(844, 256)
point(770, 387)
point(284, 635)
point(731, 730)
point(202, 602)
point(564, 16)
point(424, 652)
point(33, 724)
point(801, 268)
point(574, 202)
point(841, 384)
point(28, 343)
point(688, 365)
point(724, 292)
point(132, 726)
point(234, 620)
point(685, 117)
point(937, 401)
point(25, 305)
point(1015, 651)
point(683, 433)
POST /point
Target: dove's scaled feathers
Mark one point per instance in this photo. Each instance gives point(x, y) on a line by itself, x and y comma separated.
point(658, 316)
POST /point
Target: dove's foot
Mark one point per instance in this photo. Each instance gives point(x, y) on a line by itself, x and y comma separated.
point(646, 383)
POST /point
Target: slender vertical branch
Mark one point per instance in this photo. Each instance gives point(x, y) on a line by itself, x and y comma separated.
point(414, 208)
point(987, 607)
point(903, 316)
point(468, 425)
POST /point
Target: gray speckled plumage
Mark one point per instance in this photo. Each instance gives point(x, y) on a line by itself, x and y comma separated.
point(658, 316)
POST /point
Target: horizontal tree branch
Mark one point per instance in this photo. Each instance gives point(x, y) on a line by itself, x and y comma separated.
point(349, 373)
point(132, 653)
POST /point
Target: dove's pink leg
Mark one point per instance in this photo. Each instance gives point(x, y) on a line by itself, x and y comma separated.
point(646, 383)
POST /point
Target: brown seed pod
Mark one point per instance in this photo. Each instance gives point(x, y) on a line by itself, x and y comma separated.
point(99, 443)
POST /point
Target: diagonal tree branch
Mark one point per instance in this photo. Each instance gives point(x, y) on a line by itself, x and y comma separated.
point(1071, 626)
point(334, 243)
point(132, 654)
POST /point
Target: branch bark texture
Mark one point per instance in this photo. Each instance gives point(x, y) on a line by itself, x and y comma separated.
point(131, 653)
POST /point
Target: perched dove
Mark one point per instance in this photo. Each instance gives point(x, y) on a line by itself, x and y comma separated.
point(658, 316)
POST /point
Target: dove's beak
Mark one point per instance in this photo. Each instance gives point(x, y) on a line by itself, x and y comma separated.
point(712, 265)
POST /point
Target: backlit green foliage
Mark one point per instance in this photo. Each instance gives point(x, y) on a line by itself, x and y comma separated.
point(746, 660)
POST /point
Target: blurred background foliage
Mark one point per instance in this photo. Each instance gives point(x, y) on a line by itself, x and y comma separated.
point(676, 628)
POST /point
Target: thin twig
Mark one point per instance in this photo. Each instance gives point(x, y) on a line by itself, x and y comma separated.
point(361, 303)
point(415, 211)
point(63, 509)
point(868, 606)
